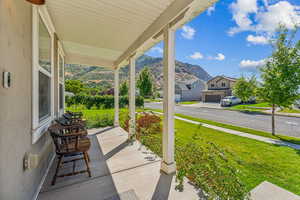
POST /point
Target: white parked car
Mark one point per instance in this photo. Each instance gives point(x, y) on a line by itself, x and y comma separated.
point(297, 104)
point(230, 101)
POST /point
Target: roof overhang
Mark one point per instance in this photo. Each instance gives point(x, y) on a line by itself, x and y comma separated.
point(107, 33)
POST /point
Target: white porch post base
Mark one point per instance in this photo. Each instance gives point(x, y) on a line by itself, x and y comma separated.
point(168, 168)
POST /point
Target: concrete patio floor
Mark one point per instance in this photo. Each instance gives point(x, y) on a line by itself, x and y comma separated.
point(120, 171)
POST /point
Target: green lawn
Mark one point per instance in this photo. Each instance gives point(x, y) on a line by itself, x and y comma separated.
point(287, 110)
point(152, 100)
point(237, 128)
point(257, 161)
point(188, 102)
point(258, 107)
point(95, 117)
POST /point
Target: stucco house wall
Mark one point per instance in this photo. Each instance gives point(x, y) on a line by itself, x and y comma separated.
point(191, 93)
point(15, 105)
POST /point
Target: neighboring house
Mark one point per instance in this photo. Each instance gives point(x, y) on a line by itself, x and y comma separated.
point(190, 91)
point(217, 88)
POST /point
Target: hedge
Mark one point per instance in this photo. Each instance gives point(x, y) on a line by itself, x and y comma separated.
point(106, 101)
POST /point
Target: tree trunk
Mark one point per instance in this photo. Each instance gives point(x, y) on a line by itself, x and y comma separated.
point(273, 119)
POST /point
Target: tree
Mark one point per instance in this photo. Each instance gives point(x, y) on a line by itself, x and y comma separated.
point(124, 88)
point(74, 86)
point(245, 88)
point(145, 83)
point(281, 73)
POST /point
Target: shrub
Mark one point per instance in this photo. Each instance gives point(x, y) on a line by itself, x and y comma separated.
point(100, 102)
point(207, 166)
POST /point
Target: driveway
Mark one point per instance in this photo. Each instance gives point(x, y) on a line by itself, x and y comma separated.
point(289, 126)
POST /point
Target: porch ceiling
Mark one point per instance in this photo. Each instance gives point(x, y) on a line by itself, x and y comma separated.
point(106, 33)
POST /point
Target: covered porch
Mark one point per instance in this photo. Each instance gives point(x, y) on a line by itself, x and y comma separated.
point(115, 34)
point(120, 170)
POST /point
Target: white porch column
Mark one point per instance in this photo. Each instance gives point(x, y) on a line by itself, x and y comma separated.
point(132, 96)
point(168, 163)
point(116, 92)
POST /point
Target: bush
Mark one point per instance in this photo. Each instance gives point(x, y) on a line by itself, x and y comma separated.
point(101, 102)
point(207, 166)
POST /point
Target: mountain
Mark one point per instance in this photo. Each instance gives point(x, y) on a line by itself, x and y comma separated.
point(93, 75)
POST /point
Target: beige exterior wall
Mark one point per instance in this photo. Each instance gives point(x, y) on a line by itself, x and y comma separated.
point(15, 104)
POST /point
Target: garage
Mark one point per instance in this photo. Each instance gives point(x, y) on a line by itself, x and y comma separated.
point(213, 98)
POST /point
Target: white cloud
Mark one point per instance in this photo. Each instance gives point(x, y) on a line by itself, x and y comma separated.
point(196, 56)
point(252, 64)
point(210, 10)
point(220, 57)
point(188, 32)
point(241, 9)
point(248, 17)
point(257, 39)
point(280, 13)
point(157, 49)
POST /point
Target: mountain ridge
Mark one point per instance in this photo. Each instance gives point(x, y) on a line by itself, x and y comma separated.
point(94, 75)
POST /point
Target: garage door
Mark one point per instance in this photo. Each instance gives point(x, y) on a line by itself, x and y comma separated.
point(213, 98)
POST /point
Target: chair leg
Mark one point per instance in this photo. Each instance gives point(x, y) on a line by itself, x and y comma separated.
point(57, 169)
point(88, 157)
point(85, 156)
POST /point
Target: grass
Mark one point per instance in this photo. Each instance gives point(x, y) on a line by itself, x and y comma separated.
point(258, 107)
point(152, 100)
point(257, 161)
point(95, 117)
point(289, 110)
point(237, 128)
point(188, 102)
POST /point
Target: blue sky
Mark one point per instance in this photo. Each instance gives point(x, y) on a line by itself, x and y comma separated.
point(232, 37)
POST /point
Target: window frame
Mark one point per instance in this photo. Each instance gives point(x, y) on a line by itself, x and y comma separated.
point(61, 81)
point(40, 127)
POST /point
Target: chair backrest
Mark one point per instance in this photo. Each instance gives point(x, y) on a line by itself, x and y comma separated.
point(63, 140)
point(56, 131)
point(63, 121)
point(75, 114)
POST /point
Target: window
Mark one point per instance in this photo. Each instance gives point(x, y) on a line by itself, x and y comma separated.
point(61, 96)
point(212, 85)
point(223, 84)
point(44, 72)
point(44, 47)
point(43, 75)
point(61, 81)
point(44, 96)
point(61, 68)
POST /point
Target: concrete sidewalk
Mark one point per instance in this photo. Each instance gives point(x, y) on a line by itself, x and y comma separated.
point(269, 191)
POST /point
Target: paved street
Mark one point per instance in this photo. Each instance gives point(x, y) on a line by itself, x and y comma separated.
point(284, 125)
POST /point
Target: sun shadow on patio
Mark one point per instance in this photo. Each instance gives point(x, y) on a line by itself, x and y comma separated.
point(163, 187)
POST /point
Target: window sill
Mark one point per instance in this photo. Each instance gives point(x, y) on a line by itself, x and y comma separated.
point(41, 130)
